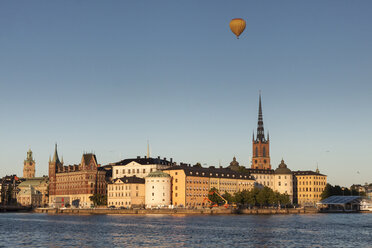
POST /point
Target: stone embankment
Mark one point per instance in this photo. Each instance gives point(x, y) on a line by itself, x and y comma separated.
point(182, 211)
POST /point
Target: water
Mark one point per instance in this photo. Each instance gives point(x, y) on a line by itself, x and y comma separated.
point(321, 230)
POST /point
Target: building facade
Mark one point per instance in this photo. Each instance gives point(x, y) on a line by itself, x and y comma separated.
point(283, 180)
point(158, 189)
point(126, 192)
point(139, 167)
point(29, 166)
point(39, 184)
point(308, 186)
point(76, 182)
point(191, 185)
point(29, 197)
point(9, 189)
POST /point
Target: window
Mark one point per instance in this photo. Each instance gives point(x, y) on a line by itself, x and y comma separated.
point(176, 180)
point(152, 194)
point(264, 153)
point(256, 153)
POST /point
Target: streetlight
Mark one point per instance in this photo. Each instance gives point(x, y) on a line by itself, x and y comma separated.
point(343, 191)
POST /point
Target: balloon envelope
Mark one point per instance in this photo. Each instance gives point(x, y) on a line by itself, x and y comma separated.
point(237, 26)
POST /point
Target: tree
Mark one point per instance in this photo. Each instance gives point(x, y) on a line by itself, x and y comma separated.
point(98, 199)
point(327, 192)
point(229, 198)
point(214, 197)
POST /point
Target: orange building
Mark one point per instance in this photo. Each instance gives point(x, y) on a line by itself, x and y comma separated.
point(308, 186)
point(191, 185)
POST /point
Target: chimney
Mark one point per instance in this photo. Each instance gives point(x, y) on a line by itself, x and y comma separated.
point(138, 157)
point(171, 160)
point(165, 158)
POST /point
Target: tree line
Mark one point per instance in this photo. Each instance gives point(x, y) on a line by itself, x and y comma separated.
point(255, 197)
point(330, 190)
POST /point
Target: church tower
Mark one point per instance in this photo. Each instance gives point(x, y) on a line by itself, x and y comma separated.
point(54, 164)
point(260, 145)
point(29, 166)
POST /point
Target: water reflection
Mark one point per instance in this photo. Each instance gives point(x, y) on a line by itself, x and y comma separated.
point(41, 230)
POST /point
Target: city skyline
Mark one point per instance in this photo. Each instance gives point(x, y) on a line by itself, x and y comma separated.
point(108, 77)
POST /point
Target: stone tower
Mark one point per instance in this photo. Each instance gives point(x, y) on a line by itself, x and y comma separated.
point(29, 166)
point(260, 145)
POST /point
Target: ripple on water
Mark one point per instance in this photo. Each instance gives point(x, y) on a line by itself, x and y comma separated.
point(41, 230)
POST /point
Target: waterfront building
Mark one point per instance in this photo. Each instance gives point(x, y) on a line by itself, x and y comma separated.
point(126, 192)
point(29, 197)
point(263, 177)
point(308, 186)
point(260, 145)
point(76, 183)
point(9, 189)
point(284, 180)
point(157, 189)
point(39, 184)
point(191, 184)
point(29, 166)
point(139, 167)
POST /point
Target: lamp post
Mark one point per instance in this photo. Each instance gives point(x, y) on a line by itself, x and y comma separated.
point(343, 191)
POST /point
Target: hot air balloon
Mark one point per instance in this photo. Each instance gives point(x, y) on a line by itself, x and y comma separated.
point(237, 26)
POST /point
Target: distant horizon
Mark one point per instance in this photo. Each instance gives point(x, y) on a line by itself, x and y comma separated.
point(108, 76)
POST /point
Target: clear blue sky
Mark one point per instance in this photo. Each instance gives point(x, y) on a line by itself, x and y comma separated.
point(105, 76)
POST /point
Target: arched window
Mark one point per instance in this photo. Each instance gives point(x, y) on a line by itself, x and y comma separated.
point(256, 151)
point(264, 152)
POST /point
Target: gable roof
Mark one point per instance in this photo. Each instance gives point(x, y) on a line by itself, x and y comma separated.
point(143, 161)
point(127, 180)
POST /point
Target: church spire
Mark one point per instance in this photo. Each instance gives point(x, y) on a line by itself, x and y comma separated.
point(148, 149)
point(55, 156)
point(260, 127)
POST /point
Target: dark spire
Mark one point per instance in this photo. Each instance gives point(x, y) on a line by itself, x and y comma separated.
point(55, 156)
point(260, 127)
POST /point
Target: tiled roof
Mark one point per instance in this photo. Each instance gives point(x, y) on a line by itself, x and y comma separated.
point(89, 157)
point(260, 171)
point(143, 161)
point(307, 173)
point(211, 172)
point(133, 179)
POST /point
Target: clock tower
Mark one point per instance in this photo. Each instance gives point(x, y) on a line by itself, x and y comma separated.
point(29, 166)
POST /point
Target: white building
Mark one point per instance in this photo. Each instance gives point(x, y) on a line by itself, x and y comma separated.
point(139, 167)
point(263, 177)
point(284, 180)
point(157, 189)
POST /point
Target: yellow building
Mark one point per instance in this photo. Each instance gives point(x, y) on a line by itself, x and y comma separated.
point(126, 192)
point(191, 185)
point(308, 186)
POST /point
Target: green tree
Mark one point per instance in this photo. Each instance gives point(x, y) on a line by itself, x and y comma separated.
point(98, 199)
point(327, 192)
point(229, 198)
point(214, 197)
